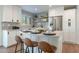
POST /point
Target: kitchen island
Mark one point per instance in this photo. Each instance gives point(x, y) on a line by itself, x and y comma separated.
point(55, 40)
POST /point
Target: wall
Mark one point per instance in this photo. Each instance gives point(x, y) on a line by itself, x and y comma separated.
point(0, 25)
point(77, 25)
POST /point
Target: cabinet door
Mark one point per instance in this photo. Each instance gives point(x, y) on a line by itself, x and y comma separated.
point(19, 15)
point(11, 38)
point(5, 38)
point(7, 13)
point(16, 13)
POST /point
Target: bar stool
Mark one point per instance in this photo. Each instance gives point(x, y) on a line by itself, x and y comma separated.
point(31, 44)
point(19, 43)
point(46, 47)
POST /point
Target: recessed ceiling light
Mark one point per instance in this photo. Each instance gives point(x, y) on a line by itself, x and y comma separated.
point(36, 9)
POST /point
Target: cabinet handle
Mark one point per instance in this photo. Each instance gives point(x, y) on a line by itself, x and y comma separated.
point(12, 20)
point(8, 33)
point(21, 34)
point(17, 20)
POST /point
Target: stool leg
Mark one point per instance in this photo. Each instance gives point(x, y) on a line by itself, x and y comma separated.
point(32, 49)
point(22, 47)
point(27, 50)
point(16, 47)
point(39, 50)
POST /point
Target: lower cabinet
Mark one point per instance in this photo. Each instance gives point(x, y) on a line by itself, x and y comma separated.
point(9, 37)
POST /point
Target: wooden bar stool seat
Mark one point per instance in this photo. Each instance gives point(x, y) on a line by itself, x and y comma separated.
point(20, 43)
point(34, 43)
point(31, 44)
point(46, 47)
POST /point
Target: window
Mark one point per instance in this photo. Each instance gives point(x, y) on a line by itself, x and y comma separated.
point(26, 19)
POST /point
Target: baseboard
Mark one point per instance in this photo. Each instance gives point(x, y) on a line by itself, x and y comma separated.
point(8, 46)
point(68, 42)
point(77, 43)
point(11, 45)
point(1, 46)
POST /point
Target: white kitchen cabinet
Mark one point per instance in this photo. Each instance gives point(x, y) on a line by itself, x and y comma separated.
point(16, 13)
point(9, 38)
point(69, 27)
point(59, 11)
point(11, 14)
point(56, 11)
point(7, 14)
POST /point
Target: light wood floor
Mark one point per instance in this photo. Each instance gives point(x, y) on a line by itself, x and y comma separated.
point(67, 48)
point(70, 48)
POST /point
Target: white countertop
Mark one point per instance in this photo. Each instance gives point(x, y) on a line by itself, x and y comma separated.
point(58, 33)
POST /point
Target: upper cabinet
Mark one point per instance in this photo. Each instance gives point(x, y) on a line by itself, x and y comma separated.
point(56, 11)
point(7, 13)
point(12, 14)
point(16, 12)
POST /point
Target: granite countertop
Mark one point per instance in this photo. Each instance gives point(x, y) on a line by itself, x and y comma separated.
point(54, 33)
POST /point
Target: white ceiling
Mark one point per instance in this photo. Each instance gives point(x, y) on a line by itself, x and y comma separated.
point(39, 8)
point(42, 8)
